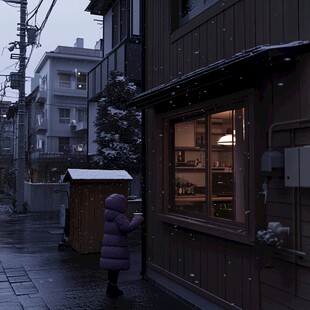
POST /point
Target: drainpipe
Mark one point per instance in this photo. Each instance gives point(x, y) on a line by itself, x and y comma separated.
point(143, 130)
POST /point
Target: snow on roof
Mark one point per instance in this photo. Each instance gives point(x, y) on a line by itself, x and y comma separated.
point(96, 174)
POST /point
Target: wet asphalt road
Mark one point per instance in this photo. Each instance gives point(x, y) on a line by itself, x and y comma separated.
point(36, 275)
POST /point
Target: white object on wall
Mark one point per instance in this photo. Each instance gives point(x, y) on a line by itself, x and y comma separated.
point(297, 166)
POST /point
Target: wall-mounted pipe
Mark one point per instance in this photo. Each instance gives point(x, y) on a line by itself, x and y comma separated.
point(278, 229)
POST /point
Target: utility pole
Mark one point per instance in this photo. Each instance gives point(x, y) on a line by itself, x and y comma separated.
point(21, 114)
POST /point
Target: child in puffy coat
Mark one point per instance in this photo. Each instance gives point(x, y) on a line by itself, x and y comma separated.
point(114, 250)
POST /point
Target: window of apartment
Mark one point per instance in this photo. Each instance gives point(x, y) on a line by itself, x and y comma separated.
point(40, 144)
point(81, 80)
point(3, 112)
point(64, 116)
point(43, 83)
point(119, 22)
point(81, 114)
point(63, 144)
point(64, 80)
point(209, 166)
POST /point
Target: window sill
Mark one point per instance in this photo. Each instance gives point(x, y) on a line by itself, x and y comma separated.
point(229, 233)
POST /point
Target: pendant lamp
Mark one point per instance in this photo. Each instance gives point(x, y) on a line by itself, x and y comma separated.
point(229, 138)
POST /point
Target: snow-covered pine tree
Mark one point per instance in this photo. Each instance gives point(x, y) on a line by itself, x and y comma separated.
point(118, 127)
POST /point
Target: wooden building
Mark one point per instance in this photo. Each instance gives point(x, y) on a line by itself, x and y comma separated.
point(226, 120)
point(89, 188)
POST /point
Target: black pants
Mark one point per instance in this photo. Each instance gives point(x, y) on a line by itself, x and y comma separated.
point(113, 276)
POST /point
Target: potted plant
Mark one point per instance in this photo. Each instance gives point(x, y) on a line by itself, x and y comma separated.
point(268, 241)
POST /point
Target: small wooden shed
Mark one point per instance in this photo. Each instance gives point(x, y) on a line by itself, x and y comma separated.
point(88, 190)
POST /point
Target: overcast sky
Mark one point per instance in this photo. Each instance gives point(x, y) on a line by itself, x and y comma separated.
point(67, 22)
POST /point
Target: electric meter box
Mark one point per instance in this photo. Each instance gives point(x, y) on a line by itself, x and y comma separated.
point(297, 166)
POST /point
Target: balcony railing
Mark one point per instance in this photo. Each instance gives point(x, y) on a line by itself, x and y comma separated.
point(81, 125)
point(72, 85)
point(38, 156)
point(42, 125)
point(41, 96)
point(99, 75)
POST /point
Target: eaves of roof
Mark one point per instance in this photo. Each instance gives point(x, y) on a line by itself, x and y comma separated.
point(99, 7)
point(235, 73)
point(49, 55)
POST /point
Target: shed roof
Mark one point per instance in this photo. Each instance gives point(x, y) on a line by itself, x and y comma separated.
point(96, 174)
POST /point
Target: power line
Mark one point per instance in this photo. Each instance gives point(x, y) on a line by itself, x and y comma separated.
point(38, 32)
point(8, 3)
point(47, 15)
point(35, 10)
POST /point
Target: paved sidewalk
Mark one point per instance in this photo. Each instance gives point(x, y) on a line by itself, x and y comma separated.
point(35, 275)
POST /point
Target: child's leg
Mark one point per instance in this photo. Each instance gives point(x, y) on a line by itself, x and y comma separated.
point(112, 289)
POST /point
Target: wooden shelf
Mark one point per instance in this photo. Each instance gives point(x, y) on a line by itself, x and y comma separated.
point(191, 168)
point(189, 148)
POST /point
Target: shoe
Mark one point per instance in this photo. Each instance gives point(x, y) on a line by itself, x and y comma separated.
point(113, 291)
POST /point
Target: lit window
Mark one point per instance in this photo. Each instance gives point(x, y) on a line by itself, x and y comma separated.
point(64, 116)
point(3, 113)
point(81, 80)
point(209, 176)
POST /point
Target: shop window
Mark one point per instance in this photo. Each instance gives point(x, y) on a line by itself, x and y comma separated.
point(209, 166)
point(64, 116)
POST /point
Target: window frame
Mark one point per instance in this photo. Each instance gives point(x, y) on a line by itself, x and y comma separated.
point(81, 80)
point(216, 226)
point(64, 145)
point(179, 29)
point(65, 83)
point(81, 114)
point(184, 18)
point(64, 119)
point(119, 25)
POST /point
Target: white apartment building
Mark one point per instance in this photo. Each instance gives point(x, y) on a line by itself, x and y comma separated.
point(57, 112)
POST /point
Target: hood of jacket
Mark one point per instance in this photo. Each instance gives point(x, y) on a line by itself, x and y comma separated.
point(114, 205)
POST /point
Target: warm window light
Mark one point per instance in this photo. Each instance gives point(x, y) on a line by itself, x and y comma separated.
point(229, 138)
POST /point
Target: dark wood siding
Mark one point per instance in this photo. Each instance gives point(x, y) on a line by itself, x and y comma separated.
point(218, 33)
point(287, 286)
point(215, 267)
point(86, 212)
point(222, 268)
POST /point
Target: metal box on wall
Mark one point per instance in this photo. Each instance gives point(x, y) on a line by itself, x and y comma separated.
point(297, 167)
point(88, 190)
